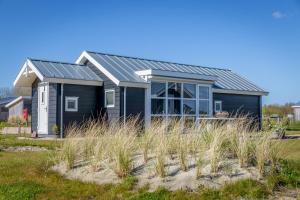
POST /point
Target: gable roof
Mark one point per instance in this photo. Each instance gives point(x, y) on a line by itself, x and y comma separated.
point(6, 100)
point(127, 69)
point(58, 72)
point(16, 100)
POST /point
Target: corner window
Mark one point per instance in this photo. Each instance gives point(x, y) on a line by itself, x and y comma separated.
point(71, 104)
point(204, 100)
point(218, 106)
point(109, 98)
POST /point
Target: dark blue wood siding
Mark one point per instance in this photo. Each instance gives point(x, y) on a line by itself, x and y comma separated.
point(135, 102)
point(111, 113)
point(52, 107)
point(89, 104)
point(240, 104)
point(34, 105)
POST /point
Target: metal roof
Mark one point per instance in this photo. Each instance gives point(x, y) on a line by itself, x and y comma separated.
point(6, 100)
point(53, 69)
point(123, 68)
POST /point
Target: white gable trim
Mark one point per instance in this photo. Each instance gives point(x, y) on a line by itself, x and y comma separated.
point(85, 56)
point(25, 70)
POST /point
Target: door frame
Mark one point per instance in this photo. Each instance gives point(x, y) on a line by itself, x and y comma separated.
point(39, 114)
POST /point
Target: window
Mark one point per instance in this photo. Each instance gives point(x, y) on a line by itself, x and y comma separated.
point(109, 98)
point(218, 106)
point(171, 100)
point(71, 104)
point(203, 100)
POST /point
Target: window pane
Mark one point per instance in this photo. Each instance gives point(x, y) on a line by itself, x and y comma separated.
point(158, 106)
point(174, 89)
point(203, 107)
point(109, 98)
point(189, 90)
point(218, 107)
point(71, 104)
point(203, 92)
point(174, 106)
point(189, 107)
point(158, 89)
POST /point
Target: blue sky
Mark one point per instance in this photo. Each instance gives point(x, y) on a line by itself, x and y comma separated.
point(257, 39)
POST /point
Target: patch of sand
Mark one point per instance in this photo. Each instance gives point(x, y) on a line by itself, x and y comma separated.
point(175, 179)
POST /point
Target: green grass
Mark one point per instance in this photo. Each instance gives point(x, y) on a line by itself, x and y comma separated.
point(26, 175)
point(294, 126)
point(12, 140)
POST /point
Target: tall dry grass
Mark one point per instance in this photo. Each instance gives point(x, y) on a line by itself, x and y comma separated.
point(116, 145)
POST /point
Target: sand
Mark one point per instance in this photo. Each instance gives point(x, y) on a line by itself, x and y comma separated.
point(175, 179)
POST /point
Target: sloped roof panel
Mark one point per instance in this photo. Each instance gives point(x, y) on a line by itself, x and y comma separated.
point(123, 68)
point(51, 69)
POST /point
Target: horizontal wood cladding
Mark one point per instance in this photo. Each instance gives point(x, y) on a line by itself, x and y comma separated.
point(241, 104)
point(135, 102)
point(112, 113)
point(88, 103)
point(34, 105)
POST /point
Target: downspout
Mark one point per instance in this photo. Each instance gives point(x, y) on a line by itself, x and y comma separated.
point(61, 109)
point(125, 90)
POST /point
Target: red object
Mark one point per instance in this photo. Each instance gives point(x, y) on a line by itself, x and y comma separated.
point(25, 114)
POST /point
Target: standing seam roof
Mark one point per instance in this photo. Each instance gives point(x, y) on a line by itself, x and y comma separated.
point(123, 68)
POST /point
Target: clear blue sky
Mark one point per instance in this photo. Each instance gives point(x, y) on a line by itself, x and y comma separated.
point(257, 39)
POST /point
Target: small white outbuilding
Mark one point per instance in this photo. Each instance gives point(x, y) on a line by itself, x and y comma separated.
point(296, 112)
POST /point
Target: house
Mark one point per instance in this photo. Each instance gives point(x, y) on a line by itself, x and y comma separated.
point(116, 87)
point(3, 109)
point(296, 109)
point(18, 106)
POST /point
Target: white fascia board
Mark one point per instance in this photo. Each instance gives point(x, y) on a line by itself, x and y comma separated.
point(17, 100)
point(85, 56)
point(224, 91)
point(172, 74)
point(181, 80)
point(29, 64)
point(296, 106)
point(134, 84)
point(73, 81)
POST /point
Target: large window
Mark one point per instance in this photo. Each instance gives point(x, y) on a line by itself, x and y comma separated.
point(177, 100)
point(203, 100)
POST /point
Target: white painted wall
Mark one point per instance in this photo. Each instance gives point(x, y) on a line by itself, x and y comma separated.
point(297, 113)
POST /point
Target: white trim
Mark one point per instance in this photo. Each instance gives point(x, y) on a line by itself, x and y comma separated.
point(73, 81)
point(242, 92)
point(17, 100)
point(218, 102)
point(133, 84)
point(67, 109)
point(43, 84)
point(86, 56)
point(179, 80)
point(27, 64)
point(111, 105)
point(296, 106)
point(173, 74)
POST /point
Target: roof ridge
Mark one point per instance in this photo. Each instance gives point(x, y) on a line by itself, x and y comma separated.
point(109, 54)
point(54, 61)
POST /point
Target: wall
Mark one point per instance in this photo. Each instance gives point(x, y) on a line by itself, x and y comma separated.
point(52, 107)
point(34, 105)
point(89, 104)
point(3, 113)
point(111, 114)
point(135, 102)
point(16, 110)
point(240, 104)
point(297, 114)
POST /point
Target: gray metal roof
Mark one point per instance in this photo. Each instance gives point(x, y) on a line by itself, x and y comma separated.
point(6, 100)
point(53, 69)
point(123, 68)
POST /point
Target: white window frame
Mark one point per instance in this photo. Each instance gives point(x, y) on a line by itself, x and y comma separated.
point(218, 102)
point(67, 99)
point(196, 99)
point(111, 105)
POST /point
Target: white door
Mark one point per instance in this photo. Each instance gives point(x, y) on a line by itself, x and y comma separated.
point(43, 109)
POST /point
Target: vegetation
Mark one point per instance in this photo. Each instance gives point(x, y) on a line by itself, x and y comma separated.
point(280, 110)
point(27, 175)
